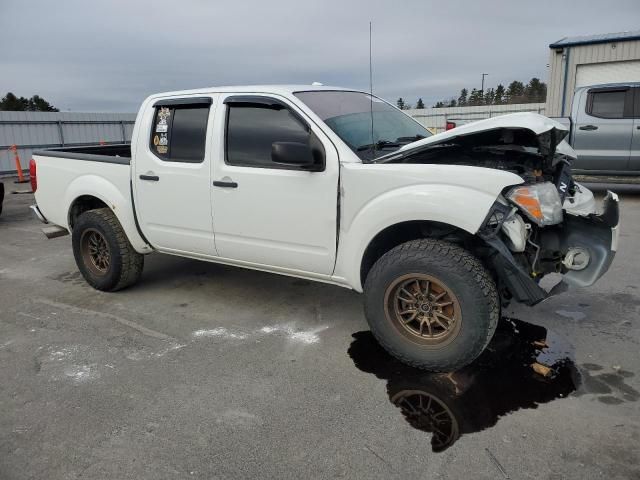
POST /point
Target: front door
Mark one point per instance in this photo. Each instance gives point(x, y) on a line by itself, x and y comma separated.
point(265, 213)
point(603, 128)
point(172, 175)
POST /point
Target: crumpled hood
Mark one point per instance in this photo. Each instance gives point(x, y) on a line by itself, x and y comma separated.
point(528, 129)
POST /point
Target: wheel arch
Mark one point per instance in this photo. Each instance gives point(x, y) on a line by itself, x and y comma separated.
point(91, 191)
point(399, 233)
point(395, 216)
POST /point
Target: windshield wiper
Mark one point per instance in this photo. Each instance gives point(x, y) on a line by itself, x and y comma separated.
point(415, 138)
point(378, 145)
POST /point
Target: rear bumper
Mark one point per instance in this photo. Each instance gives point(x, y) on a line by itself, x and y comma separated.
point(36, 211)
point(51, 231)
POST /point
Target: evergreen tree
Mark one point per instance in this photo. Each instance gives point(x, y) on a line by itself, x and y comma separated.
point(535, 91)
point(515, 92)
point(420, 104)
point(12, 103)
point(489, 95)
point(475, 98)
point(439, 105)
point(498, 95)
point(400, 103)
point(462, 99)
point(452, 102)
point(34, 104)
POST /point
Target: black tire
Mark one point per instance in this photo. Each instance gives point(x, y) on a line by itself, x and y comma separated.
point(473, 312)
point(118, 265)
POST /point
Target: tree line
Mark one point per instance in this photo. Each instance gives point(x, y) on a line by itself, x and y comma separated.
point(534, 91)
point(11, 103)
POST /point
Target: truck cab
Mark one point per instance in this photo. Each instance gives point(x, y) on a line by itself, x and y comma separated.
point(605, 129)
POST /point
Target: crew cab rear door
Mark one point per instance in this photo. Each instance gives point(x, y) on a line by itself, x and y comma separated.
point(172, 175)
point(264, 213)
point(602, 129)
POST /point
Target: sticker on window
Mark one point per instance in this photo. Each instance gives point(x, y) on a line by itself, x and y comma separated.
point(161, 127)
point(163, 114)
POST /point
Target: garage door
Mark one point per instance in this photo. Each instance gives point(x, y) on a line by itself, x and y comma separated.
point(609, 72)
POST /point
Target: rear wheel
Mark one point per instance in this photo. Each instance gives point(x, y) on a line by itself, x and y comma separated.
point(103, 252)
point(431, 304)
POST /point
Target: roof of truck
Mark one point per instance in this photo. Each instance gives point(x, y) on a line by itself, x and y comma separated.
point(277, 89)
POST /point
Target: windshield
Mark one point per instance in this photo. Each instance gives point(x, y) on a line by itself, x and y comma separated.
point(348, 114)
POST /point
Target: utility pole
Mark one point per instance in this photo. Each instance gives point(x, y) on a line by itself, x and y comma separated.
point(482, 89)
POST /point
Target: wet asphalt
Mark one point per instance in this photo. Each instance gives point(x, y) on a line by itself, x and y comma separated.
point(206, 371)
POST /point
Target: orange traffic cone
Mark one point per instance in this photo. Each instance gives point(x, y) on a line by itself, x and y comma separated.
point(21, 178)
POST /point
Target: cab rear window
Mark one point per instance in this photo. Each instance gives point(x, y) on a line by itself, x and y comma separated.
point(179, 132)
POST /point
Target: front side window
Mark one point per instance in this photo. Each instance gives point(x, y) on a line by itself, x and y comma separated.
point(179, 132)
point(252, 129)
point(607, 104)
point(368, 125)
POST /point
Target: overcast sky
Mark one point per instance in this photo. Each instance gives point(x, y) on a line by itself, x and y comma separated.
point(107, 55)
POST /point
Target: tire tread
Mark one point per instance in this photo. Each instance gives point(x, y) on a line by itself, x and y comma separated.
point(435, 250)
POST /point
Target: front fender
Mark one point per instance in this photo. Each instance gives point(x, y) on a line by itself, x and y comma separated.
point(464, 205)
point(118, 201)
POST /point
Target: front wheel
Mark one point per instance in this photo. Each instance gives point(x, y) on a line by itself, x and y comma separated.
point(431, 304)
point(103, 252)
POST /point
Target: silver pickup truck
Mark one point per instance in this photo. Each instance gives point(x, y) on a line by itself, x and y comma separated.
point(605, 129)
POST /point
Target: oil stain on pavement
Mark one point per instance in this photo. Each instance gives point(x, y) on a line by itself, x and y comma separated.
point(499, 382)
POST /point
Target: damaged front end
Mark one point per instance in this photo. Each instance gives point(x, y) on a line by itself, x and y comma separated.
point(580, 247)
point(548, 223)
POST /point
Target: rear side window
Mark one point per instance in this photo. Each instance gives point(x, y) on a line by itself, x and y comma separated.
point(252, 129)
point(179, 132)
point(609, 104)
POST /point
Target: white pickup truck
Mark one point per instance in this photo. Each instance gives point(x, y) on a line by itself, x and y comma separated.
point(337, 186)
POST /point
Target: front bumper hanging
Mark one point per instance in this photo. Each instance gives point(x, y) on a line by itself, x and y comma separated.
point(595, 235)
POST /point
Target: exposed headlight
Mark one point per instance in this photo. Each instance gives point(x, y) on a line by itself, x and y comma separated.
point(540, 202)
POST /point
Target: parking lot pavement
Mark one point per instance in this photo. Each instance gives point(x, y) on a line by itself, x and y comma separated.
point(206, 371)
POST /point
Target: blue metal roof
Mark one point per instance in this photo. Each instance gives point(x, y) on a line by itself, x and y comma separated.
point(601, 38)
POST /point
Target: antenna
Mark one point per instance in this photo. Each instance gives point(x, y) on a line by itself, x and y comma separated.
point(373, 142)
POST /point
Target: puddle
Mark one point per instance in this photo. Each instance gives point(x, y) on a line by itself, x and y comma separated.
point(499, 382)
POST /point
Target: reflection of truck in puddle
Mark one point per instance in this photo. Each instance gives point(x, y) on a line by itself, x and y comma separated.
point(499, 382)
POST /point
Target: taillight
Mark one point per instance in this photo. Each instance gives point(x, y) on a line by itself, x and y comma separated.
point(450, 125)
point(32, 175)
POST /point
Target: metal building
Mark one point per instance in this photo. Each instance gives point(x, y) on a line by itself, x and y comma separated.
point(590, 60)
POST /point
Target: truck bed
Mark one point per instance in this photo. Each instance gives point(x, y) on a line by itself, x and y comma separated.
point(119, 153)
point(65, 174)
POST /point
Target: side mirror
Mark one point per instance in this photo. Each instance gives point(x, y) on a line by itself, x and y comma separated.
point(294, 154)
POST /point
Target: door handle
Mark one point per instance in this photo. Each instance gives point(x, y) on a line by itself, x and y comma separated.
point(588, 127)
point(153, 178)
point(218, 183)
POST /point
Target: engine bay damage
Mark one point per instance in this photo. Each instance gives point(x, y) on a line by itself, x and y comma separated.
point(546, 225)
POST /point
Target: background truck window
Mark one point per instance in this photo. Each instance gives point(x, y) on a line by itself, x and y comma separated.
point(607, 104)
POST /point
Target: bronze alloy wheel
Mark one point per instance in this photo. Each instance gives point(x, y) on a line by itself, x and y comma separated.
point(95, 251)
point(423, 309)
